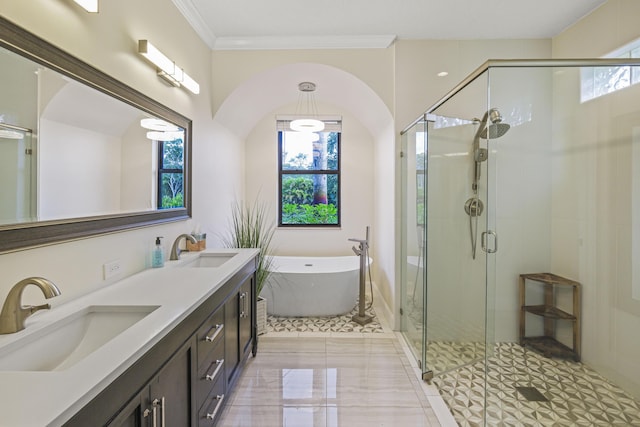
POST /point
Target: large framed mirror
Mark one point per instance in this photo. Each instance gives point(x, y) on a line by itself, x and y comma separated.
point(81, 153)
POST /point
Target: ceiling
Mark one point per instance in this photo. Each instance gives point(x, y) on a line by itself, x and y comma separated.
point(305, 24)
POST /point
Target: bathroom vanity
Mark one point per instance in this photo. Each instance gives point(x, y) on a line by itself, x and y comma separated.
point(163, 347)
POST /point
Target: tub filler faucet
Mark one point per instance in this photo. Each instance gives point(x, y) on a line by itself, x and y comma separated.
point(363, 252)
point(14, 313)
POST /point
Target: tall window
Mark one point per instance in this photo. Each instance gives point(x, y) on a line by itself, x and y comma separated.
point(170, 174)
point(309, 177)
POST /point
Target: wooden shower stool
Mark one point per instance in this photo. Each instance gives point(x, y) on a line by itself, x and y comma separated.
point(547, 344)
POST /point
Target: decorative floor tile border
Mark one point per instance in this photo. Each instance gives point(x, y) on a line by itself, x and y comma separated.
point(341, 323)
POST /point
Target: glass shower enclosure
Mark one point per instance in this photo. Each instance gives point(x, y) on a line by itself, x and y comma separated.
point(525, 168)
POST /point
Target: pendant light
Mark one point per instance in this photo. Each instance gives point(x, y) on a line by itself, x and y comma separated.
point(307, 109)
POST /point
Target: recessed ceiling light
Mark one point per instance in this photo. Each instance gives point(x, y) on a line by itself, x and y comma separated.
point(442, 74)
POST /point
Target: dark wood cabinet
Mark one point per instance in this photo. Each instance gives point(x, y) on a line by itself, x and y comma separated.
point(240, 325)
point(170, 392)
point(166, 400)
point(246, 317)
point(231, 321)
point(184, 379)
point(212, 361)
point(132, 414)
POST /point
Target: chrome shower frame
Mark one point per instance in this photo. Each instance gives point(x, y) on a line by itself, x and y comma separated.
point(519, 63)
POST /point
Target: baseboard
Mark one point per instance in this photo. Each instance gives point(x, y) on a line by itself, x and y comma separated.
point(381, 307)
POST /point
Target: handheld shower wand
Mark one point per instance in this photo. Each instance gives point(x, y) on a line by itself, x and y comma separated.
point(474, 207)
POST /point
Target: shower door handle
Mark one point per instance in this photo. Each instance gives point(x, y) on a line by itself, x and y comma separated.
point(484, 242)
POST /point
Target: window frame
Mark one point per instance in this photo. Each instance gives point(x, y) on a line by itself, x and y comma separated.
point(590, 90)
point(162, 171)
point(337, 172)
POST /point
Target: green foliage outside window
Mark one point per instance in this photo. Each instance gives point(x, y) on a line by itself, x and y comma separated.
point(309, 214)
point(173, 202)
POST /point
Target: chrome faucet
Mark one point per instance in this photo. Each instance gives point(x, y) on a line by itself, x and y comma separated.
point(175, 249)
point(14, 314)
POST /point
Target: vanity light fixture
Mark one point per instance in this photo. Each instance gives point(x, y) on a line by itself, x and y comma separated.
point(167, 69)
point(307, 108)
point(90, 6)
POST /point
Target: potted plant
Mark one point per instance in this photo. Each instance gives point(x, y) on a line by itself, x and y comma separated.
point(250, 228)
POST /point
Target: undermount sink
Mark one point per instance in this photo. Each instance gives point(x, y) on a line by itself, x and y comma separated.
point(211, 259)
point(62, 344)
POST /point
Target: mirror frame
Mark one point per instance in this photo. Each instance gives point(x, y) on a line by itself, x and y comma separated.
point(19, 236)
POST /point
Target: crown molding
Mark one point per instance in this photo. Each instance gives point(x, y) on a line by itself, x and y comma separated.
point(304, 42)
point(198, 23)
point(191, 14)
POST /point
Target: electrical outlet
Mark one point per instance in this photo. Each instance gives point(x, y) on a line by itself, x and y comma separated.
point(111, 269)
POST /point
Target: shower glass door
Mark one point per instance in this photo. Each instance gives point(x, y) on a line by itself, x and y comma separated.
point(17, 174)
point(413, 186)
point(456, 264)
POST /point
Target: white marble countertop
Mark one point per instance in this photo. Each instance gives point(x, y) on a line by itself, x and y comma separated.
point(39, 398)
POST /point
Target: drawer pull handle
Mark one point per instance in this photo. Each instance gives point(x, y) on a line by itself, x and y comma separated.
point(219, 398)
point(211, 377)
point(218, 328)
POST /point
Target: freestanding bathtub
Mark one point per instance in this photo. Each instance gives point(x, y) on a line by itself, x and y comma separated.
point(312, 286)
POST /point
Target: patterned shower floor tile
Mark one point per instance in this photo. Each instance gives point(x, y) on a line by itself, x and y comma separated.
point(577, 395)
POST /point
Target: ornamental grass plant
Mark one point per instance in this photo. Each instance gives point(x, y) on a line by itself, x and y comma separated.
point(250, 228)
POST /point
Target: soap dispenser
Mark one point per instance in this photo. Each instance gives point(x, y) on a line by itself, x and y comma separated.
point(157, 255)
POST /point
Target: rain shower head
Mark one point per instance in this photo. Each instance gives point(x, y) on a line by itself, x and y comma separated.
point(496, 129)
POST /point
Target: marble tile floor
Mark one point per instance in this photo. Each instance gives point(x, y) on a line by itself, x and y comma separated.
point(329, 381)
point(324, 371)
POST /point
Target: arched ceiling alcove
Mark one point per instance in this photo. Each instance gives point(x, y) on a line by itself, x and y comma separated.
point(277, 87)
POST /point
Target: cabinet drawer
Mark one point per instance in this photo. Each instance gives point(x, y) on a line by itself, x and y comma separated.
point(210, 334)
point(210, 371)
point(212, 408)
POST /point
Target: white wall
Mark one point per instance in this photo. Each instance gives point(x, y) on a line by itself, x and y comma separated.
point(593, 218)
point(138, 169)
point(78, 172)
